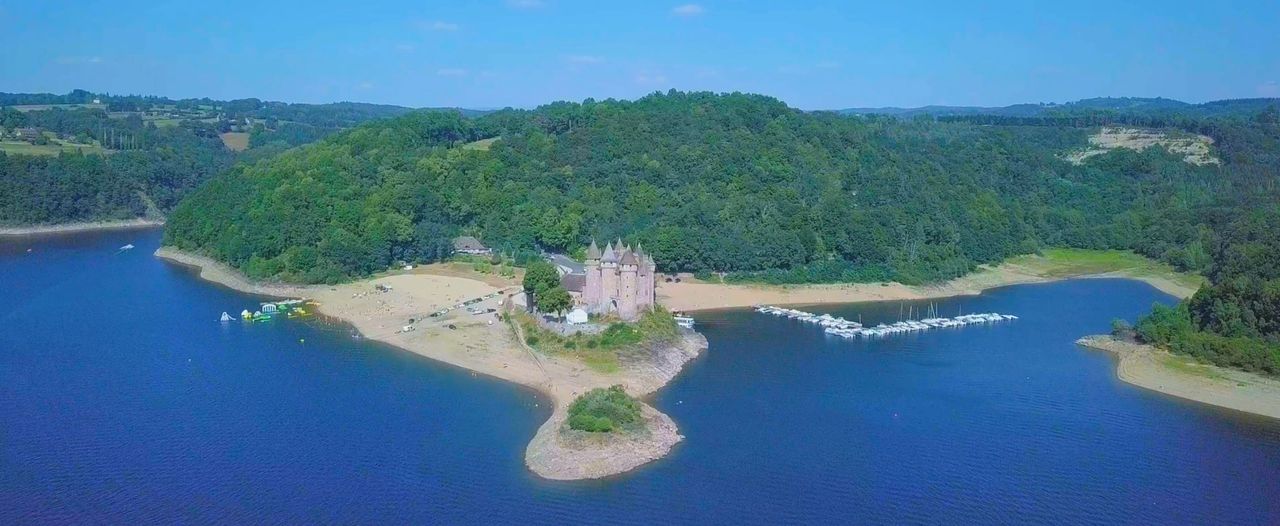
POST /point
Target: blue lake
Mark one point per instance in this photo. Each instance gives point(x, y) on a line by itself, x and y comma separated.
point(123, 400)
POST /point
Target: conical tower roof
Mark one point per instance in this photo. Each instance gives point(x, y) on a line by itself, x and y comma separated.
point(609, 255)
point(629, 258)
point(593, 251)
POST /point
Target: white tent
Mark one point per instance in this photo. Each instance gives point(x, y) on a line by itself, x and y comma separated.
point(576, 316)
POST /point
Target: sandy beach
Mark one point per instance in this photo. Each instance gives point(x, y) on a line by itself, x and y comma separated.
point(1151, 368)
point(484, 344)
point(692, 295)
point(80, 227)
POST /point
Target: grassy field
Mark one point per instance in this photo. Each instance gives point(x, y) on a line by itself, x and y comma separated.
point(482, 144)
point(54, 148)
point(164, 122)
point(235, 141)
point(1066, 262)
point(1185, 365)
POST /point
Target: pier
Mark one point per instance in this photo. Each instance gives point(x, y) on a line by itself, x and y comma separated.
point(850, 329)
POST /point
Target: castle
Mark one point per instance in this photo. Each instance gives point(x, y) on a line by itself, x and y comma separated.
point(619, 280)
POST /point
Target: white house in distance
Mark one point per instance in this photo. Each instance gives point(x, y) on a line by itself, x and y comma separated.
point(470, 245)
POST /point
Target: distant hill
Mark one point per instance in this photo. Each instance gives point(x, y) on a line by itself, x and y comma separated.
point(86, 156)
point(334, 114)
point(1129, 105)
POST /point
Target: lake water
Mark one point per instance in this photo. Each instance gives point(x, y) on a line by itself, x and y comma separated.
point(123, 400)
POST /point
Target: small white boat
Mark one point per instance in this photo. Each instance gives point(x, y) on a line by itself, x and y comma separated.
point(225, 317)
point(126, 247)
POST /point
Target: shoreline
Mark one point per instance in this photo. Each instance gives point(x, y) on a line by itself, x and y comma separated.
point(702, 296)
point(486, 345)
point(483, 344)
point(1154, 369)
point(87, 226)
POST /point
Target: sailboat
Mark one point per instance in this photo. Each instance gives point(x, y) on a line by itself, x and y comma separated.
point(225, 317)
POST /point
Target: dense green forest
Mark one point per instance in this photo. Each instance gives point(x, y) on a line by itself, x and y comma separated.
point(732, 183)
point(151, 165)
point(1235, 320)
point(135, 156)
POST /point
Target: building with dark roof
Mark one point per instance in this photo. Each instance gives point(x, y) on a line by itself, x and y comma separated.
point(470, 245)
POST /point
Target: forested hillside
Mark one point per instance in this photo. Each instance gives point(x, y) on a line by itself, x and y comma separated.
point(91, 157)
point(147, 163)
point(1235, 320)
point(734, 183)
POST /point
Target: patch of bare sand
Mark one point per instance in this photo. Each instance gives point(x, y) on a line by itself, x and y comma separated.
point(1194, 148)
point(692, 295)
point(1151, 368)
point(123, 224)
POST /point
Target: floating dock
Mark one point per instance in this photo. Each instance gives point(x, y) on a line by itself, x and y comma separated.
point(849, 329)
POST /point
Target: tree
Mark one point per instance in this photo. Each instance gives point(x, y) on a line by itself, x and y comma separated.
point(540, 276)
point(554, 300)
point(1121, 328)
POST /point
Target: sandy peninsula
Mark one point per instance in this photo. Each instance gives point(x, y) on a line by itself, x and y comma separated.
point(80, 227)
point(1151, 368)
point(484, 344)
point(693, 295)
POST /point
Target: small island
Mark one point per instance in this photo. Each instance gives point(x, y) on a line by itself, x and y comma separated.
point(605, 431)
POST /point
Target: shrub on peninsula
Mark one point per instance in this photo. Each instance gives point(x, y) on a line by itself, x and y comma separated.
point(604, 410)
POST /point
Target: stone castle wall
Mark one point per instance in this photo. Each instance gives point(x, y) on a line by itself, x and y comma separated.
point(619, 281)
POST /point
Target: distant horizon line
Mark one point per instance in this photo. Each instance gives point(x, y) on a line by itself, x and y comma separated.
point(578, 101)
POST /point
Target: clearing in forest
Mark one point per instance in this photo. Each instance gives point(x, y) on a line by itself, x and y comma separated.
point(1193, 148)
point(235, 141)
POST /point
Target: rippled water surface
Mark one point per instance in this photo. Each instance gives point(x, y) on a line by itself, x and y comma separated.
point(122, 400)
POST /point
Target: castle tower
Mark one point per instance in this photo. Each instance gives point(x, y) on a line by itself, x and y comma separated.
point(644, 281)
point(608, 280)
point(653, 281)
point(629, 266)
point(591, 291)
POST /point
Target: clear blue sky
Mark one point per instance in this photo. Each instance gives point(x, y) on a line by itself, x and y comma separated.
point(814, 55)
